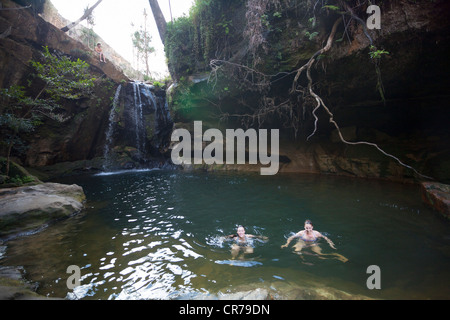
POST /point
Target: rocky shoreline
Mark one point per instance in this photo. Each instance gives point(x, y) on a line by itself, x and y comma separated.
point(25, 209)
point(29, 209)
point(13, 286)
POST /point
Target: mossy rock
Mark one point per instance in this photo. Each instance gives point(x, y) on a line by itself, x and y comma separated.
point(18, 175)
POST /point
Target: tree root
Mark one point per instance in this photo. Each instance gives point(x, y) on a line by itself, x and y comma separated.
point(320, 103)
point(264, 81)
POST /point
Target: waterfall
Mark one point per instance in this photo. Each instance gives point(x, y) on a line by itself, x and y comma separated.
point(110, 131)
point(139, 120)
point(139, 128)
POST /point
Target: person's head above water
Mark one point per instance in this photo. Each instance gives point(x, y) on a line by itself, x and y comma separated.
point(240, 231)
point(308, 226)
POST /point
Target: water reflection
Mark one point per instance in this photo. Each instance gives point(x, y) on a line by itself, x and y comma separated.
point(159, 235)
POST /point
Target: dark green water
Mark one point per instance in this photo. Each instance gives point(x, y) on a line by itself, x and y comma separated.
point(156, 235)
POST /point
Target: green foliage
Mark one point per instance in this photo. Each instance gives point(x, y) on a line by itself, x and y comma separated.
point(311, 35)
point(20, 113)
point(265, 21)
point(18, 176)
point(331, 7)
point(64, 78)
point(225, 25)
point(18, 180)
point(158, 84)
point(179, 45)
point(16, 118)
point(14, 101)
point(192, 41)
point(141, 40)
point(277, 14)
point(376, 54)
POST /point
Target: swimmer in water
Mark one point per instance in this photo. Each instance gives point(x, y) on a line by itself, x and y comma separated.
point(242, 241)
point(308, 238)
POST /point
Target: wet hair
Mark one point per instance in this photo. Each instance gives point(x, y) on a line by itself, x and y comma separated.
point(239, 226)
point(308, 222)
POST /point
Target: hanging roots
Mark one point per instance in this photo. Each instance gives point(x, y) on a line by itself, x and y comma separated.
point(320, 103)
point(261, 81)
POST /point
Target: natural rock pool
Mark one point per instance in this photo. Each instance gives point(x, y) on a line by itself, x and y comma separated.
point(156, 234)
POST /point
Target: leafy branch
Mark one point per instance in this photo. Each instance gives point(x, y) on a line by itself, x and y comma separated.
point(21, 113)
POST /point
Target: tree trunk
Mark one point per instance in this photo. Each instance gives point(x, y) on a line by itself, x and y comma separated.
point(84, 16)
point(159, 19)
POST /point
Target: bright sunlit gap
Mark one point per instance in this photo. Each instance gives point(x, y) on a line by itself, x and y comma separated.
point(116, 21)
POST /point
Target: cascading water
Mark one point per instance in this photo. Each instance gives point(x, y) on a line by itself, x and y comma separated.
point(139, 127)
point(139, 121)
point(109, 132)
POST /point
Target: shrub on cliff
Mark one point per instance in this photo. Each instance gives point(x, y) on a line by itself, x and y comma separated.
point(21, 113)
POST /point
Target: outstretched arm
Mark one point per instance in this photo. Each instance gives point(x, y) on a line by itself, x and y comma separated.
point(258, 237)
point(290, 239)
point(229, 236)
point(328, 240)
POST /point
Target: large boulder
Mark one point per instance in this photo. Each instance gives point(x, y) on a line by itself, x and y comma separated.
point(25, 209)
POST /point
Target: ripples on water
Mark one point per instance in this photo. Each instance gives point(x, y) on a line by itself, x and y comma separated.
point(159, 235)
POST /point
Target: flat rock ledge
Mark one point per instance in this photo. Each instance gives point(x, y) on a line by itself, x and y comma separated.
point(437, 196)
point(25, 209)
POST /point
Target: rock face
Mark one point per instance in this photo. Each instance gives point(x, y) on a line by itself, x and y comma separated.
point(411, 123)
point(139, 128)
point(29, 32)
point(81, 136)
point(51, 14)
point(28, 208)
point(437, 196)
